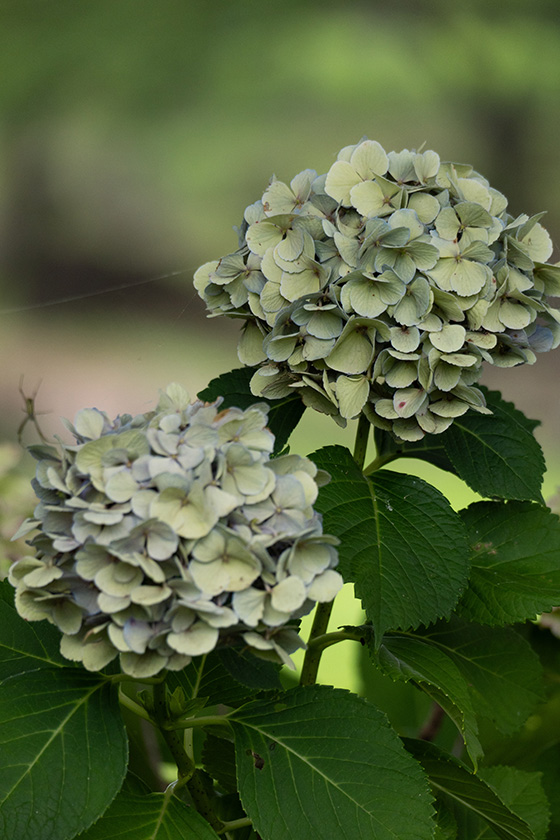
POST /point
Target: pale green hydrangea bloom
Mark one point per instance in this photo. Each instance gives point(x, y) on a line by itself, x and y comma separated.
point(382, 286)
point(163, 536)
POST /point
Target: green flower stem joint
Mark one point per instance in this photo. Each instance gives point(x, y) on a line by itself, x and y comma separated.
point(177, 550)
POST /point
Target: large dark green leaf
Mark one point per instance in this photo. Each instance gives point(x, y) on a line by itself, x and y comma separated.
point(467, 791)
point(64, 752)
point(225, 676)
point(207, 677)
point(497, 454)
point(218, 759)
point(321, 762)
point(157, 816)
point(522, 792)
point(407, 657)
point(503, 673)
point(402, 544)
point(430, 449)
point(515, 562)
point(26, 646)
point(7, 592)
point(249, 670)
point(446, 824)
point(233, 386)
point(283, 416)
point(549, 765)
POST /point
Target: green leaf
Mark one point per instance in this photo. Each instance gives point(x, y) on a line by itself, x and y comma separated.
point(446, 824)
point(210, 676)
point(503, 673)
point(134, 784)
point(407, 657)
point(249, 670)
point(64, 752)
point(523, 793)
point(467, 791)
point(218, 759)
point(549, 764)
point(283, 416)
point(402, 544)
point(496, 454)
point(26, 646)
point(515, 562)
point(7, 592)
point(157, 816)
point(321, 762)
point(430, 448)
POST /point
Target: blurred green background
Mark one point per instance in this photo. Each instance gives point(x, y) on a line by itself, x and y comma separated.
point(133, 135)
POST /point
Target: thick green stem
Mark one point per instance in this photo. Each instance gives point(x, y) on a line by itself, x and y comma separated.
point(313, 654)
point(203, 720)
point(188, 774)
point(380, 461)
point(231, 825)
point(328, 639)
point(202, 801)
point(361, 441)
point(185, 765)
point(133, 706)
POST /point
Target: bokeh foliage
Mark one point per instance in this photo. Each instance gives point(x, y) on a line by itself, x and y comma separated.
point(134, 132)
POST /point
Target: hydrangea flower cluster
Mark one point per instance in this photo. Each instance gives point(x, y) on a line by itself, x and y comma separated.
point(168, 534)
point(382, 286)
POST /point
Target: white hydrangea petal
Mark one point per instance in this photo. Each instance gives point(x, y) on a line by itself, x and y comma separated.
point(326, 586)
point(263, 235)
point(111, 604)
point(148, 595)
point(308, 558)
point(408, 401)
point(426, 165)
point(198, 639)
point(250, 346)
point(288, 595)
point(89, 423)
point(351, 393)
point(433, 424)
point(368, 198)
point(340, 179)
point(121, 487)
point(228, 573)
point(41, 575)
point(257, 641)
point(189, 514)
point(273, 617)
point(450, 338)
point(369, 158)
point(249, 605)
point(118, 579)
point(142, 666)
point(67, 616)
point(97, 654)
point(136, 635)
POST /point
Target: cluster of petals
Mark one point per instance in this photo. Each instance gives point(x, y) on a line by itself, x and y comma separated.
point(382, 286)
point(166, 535)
